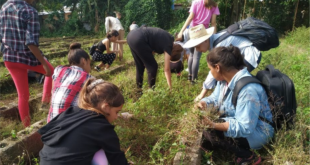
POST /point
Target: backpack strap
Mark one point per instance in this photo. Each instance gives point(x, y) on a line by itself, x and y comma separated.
point(221, 38)
point(239, 85)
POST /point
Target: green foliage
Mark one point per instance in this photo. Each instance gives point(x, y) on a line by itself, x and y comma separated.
point(155, 13)
point(13, 134)
point(56, 25)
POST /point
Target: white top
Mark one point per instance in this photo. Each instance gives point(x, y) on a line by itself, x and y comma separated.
point(112, 23)
point(133, 26)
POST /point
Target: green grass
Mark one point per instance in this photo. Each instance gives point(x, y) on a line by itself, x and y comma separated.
point(165, 121)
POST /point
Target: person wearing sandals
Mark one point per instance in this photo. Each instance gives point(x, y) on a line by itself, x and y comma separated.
point(104, 45)
point(240, 128)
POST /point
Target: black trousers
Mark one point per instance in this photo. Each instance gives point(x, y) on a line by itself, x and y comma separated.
point(214, 139)
point(142, 54)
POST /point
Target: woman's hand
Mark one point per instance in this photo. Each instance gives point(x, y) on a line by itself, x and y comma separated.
point(201, 105)
point(206, 121)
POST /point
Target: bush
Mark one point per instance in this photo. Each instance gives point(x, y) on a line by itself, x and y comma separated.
point(156, 13)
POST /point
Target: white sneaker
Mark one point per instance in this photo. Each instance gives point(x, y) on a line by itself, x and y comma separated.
point(186, 70)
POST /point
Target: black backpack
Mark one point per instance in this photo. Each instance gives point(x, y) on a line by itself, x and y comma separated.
point(281, 95)
point(263, 36)
point(93, 49)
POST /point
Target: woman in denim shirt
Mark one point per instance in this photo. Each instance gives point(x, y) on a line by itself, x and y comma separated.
point(241, 129)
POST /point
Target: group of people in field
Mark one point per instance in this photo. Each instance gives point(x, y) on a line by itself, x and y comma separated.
point(82, 108)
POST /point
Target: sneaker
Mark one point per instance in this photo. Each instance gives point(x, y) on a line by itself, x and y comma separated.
point(186, 69)
point(253, 160)
point(97, 68)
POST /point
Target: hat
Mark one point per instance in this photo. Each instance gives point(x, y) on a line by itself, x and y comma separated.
point(197, 35)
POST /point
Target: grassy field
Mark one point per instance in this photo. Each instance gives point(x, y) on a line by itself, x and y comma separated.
point(165, 121)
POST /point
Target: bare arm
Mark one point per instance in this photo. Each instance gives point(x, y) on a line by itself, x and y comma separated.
point(201, 95)
point(187, 22)
point(217, 126)
point(213, 23)
point(37, 53)
point(121, 41)
point(167, 69)
point(106, 42)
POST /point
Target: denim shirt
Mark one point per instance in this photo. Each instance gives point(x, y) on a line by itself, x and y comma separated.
point(243, 120)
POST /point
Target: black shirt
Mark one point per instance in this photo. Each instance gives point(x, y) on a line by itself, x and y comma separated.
point(101, 47)
point(159, 40)
point(74, 136)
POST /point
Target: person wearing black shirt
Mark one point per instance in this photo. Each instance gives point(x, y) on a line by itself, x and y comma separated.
point(143, 42)
point(104, 45)
point(76, 135)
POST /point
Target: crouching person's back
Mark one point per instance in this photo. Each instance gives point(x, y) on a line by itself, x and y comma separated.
point(240, 130)
point(84, 135)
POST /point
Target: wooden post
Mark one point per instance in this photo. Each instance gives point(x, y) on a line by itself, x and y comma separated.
point(295, 16)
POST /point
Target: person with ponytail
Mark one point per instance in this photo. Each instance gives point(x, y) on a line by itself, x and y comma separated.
point(104, 45)
point(69, 80)
point(19, 37)
point(203, 40)
point(240, 128)
point(84, 134)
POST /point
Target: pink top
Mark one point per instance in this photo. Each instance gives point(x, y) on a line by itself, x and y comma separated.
point(202, 15)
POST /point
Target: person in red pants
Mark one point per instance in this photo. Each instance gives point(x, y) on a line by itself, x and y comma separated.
point(19, 34)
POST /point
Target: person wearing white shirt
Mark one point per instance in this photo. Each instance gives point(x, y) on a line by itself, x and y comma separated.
point(112, 23)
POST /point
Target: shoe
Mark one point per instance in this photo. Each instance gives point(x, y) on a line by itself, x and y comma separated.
point(189, 77)
point(253, 160)
point(186, 69)
point(97, 68)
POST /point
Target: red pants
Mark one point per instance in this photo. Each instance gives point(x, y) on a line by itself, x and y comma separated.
point(19, 74)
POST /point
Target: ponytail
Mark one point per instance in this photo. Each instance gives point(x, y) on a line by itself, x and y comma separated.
point(227, 57)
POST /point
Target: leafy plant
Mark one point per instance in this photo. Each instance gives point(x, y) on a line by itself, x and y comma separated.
point(13, 134)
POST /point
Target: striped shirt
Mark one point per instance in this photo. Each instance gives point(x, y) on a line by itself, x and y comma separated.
point(19, 27)
point(68, 81)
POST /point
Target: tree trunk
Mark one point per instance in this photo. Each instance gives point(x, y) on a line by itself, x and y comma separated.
point(295, 16)
point(235, 12)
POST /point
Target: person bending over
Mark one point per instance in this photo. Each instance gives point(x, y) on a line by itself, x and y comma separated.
point(69, 80)
point(143, 42)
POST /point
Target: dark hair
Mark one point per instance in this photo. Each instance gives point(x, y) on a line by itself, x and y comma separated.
point(93, 93)
point(134, 22)
point(178, 39)
point(112, 33)
point(76, 53)
point(176, 52)
point(227, 57)
point(210, 4)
